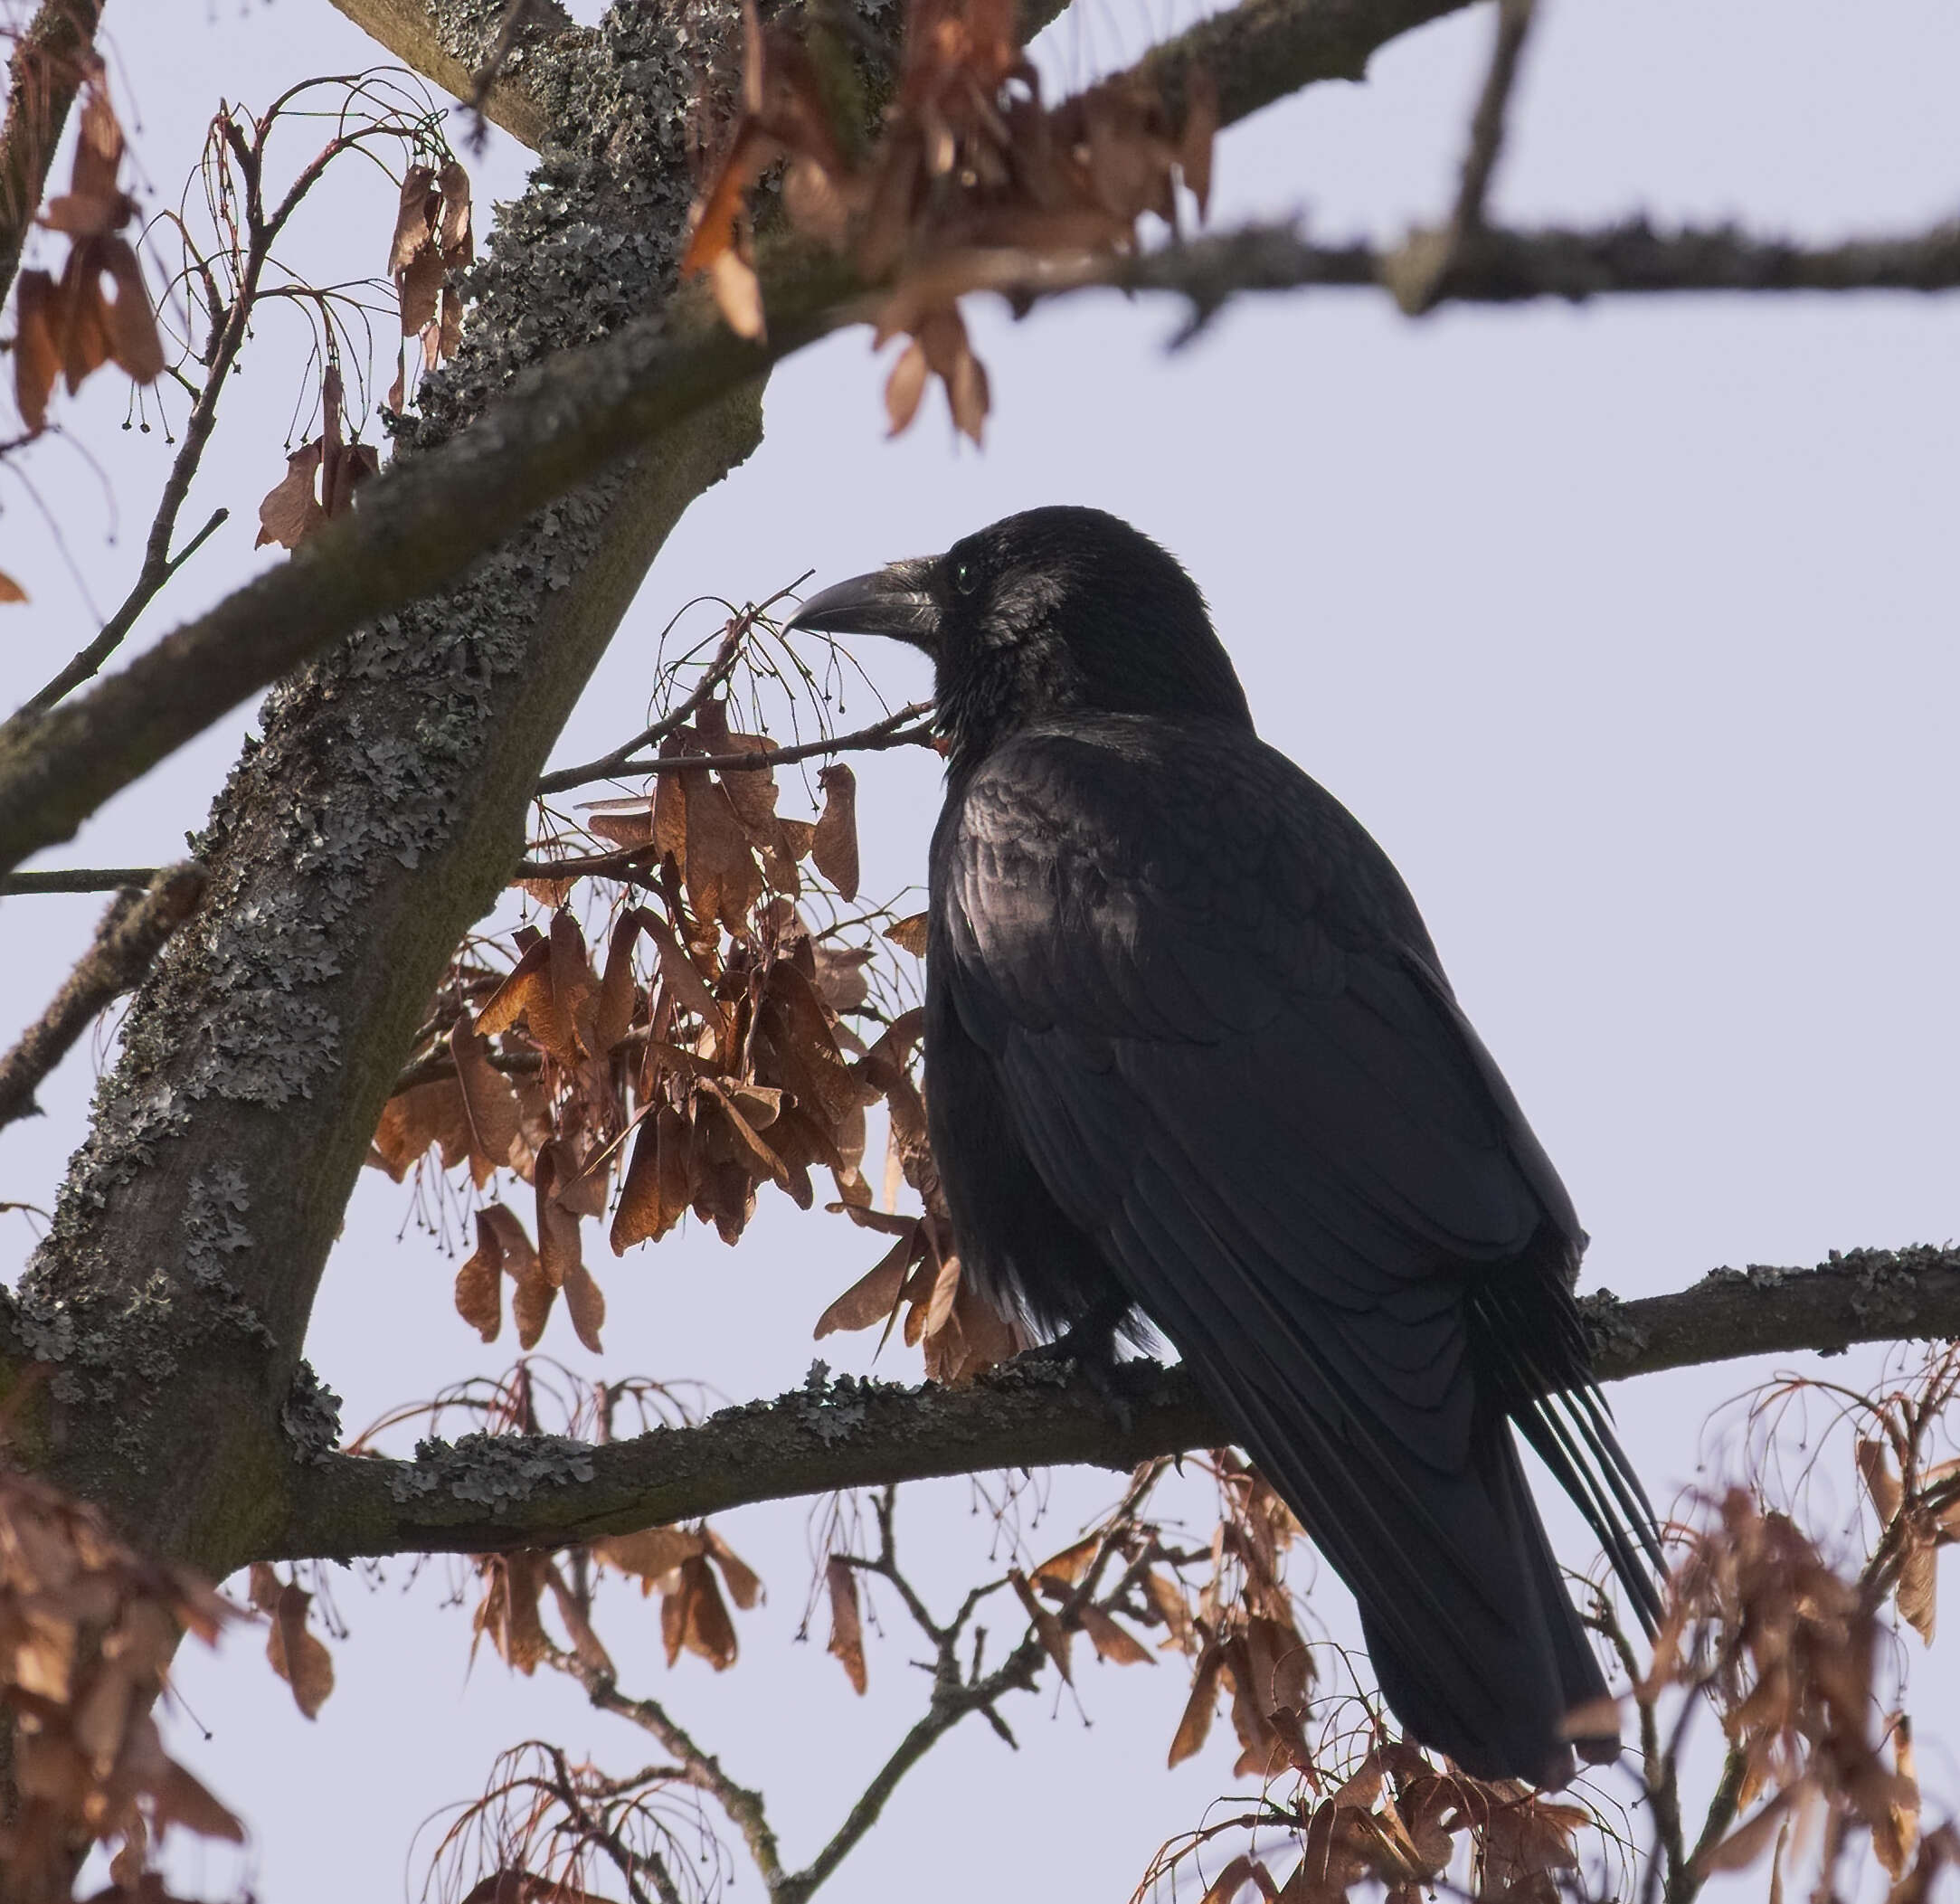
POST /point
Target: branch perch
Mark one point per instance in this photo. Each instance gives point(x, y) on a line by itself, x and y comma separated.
point(493, 1493)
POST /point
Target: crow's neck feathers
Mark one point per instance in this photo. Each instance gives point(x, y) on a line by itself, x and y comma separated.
point(1062, 611)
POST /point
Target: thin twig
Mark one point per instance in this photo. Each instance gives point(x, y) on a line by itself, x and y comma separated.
point(1426, 258)
point(78, 879)
point(132, 932)
point(158, 566)
point(1487, 124)
point(895, 730)
point(742, 1807)
point(607, 766)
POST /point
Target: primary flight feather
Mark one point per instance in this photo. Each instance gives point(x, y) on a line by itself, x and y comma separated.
point(1191, 1055)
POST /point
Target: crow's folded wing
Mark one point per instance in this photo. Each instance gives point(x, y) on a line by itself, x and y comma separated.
point(1221, 1034)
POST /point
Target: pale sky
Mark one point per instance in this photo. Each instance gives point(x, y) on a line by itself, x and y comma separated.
point(1629, 632)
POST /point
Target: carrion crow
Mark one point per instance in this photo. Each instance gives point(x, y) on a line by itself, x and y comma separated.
point(1191, 1055)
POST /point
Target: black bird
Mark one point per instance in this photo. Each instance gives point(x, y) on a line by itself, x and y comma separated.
point(1190, 1052)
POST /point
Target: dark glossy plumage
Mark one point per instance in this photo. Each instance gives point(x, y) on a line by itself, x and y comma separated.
point(1189, 1051)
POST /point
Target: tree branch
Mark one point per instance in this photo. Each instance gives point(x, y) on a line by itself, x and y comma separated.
point(43, 77)
point(908, 726)
point(132, 932)
point(423, 524)
point(489, 1494)
point(78, 879)
point(741, 1806)
point(412, 30)
point(426, 520)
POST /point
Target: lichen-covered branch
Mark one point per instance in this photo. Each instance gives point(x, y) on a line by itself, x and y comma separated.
point(450, 43)
point(131, 935)
point(486, 1493)
point(423, 522)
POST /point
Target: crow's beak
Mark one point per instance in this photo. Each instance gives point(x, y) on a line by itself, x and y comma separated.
point(896, 601)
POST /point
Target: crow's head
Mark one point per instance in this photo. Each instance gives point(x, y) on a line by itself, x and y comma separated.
point(1051, 612)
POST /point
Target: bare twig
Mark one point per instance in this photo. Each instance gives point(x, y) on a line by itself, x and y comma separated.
point(1487, 124)
point(130, 936)
point(49, 61)
point(610, 765)
point(742, 1807)
point(907, 728)
point(159, 563)
point(78, 879)
point(1426, 257)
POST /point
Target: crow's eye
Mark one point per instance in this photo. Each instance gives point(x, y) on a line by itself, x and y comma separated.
point(965, 577)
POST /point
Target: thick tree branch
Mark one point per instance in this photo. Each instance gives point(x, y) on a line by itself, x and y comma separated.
point(487, 1494)
point(438, 42)
point(424, 522)
point(43, 77)
point(131, 935)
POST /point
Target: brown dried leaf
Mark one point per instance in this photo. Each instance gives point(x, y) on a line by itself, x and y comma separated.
point(132, 329)
point(1049, 1630)
point(905, 388)
point(846, 1625)
point(1062, 1570)
point(415, 217)
point(495, 1134)
point(1748, 1841)
point(1195, 1726)
point(414, 1120)
point(289, 512)
point(1201, 131)
point(1231, 1880)
point(418, 289)
point(681, 976)
point(479, 1296)
point(296, 1653)
point(744, 1585)
point(908, 934)
point(585, 1642)
point(1919, 1583)
point(454, 235)
point(834, 847)
point(872, 1298)
point(37, 353)
point(525, 991)
point(10, 590)
point(659, 1182)
point(1875, 1469)
point(705, 1627)
point(652, 1553)
point(722, 878)
point(83, 331)
point(619, 994)
point(1113, 1642)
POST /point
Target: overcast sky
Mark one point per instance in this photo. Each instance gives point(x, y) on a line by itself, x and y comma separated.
point(1629, 632)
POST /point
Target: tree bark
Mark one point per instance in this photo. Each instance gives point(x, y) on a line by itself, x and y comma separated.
point(354, 846)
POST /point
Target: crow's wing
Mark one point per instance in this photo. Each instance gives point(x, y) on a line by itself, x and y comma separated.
point(1224, 1044)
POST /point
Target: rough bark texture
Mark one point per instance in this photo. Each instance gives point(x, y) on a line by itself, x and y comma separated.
point(353, 846)
point(452, 41)
point(484, 1493)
